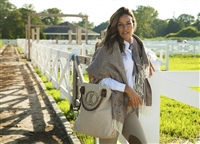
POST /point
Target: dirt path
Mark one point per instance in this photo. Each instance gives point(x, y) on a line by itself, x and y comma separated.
point(26, 116)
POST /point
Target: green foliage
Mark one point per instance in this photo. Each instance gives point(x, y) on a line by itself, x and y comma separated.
point(186, 32)
point(42, 35)
point(85, 139)
point(5, 9)
point(101, 27)
point(83, 22)
point(145, 16)
point(64, 105)
point(197, 22)
point(44, 79)
point(53, 92)
point(9, 30)
point(20, 50)
point(52, 20)
point(186, 19)
point(48, 85)
point(173, 38)
point(159, 27)
point(38, 72)
point(86, 77)
point(174, 26)
point(178, 121)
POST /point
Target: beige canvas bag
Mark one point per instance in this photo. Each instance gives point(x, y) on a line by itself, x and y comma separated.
point(95, 117)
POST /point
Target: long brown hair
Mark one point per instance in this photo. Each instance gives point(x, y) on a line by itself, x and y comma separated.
point(112, 34)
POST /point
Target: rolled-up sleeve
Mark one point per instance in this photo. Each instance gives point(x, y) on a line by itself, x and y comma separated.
point(152, 55)
point(113, 84)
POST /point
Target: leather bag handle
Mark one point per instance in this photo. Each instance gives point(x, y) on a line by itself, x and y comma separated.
point(82, 91)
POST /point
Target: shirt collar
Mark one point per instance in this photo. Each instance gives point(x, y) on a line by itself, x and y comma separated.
point(127, 44)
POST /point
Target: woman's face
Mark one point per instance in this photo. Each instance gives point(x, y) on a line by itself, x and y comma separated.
point(125, 27)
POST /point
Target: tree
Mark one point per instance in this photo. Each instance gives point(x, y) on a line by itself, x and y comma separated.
point(29, 7)
point(11, 26)
point(159, 26)
point(83, 22)
point(197, 22)
point(174, 26)
point(24, 20)
point(5, 8)
point(145, 16)
point(101, 27)
point(14, 25)
point(52, 20)
point(188, 20)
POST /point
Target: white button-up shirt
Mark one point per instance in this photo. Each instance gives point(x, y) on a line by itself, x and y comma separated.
point(129, 66)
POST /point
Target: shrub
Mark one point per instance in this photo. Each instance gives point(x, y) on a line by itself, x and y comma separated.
point(186, 32)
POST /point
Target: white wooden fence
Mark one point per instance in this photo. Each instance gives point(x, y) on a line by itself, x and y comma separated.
point(162, 48)
point(168, 48)
point(9, 41)
point(54, 62)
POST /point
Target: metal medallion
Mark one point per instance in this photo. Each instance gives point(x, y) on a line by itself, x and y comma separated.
point(91, 98)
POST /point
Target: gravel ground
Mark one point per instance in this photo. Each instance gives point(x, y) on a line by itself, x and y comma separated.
point(26, 115)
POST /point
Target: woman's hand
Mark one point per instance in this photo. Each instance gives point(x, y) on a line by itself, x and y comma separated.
point(91, 78)
point(135, 99)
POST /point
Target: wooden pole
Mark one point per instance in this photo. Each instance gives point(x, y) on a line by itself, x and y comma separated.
point(38, 34)
point(69, 36)
point(79, 36)
point(76, 34)
point(29, 44)
point(86, 30)
point(102, 34)
point(33, 34)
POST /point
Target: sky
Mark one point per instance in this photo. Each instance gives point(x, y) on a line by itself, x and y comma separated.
point(100, 10)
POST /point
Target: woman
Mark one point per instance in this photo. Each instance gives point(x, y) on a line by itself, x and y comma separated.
point(121, 62)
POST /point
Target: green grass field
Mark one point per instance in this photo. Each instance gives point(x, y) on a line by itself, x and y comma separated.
point(178, 122)
point(1, 44)
point(183, 62)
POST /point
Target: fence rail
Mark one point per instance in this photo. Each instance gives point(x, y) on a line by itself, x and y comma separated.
point(162, 48)
point(9, 41)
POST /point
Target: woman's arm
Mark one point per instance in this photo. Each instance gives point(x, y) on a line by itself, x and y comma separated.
point(135, 99)
point(152, 57)
point(113, 84)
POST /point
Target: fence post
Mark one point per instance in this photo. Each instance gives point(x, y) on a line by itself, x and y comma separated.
point(33, 34)
point(150, 117)
point(102, 34)
point(194, 46)
point(38, 34)
point(167, 58)
point(79, 36)
point(69, 36)
point(83, 50)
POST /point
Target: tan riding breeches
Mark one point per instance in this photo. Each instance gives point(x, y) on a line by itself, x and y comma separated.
point(132, 131)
